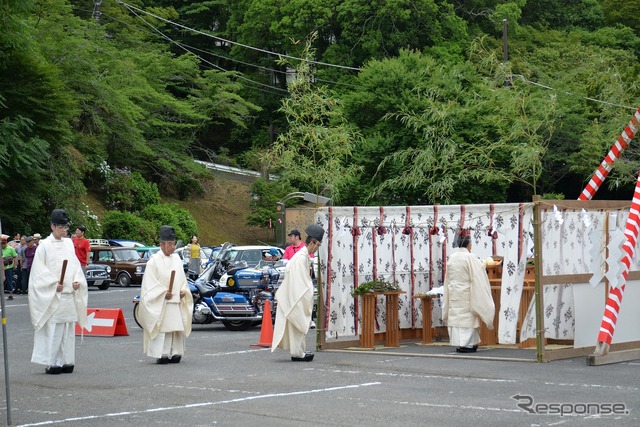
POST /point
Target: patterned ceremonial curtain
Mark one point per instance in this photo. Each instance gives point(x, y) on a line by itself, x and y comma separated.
point(379, 230)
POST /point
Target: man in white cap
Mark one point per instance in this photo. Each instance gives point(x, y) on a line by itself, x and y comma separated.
point(57, 299)
point(295, 300)
point(166, 304)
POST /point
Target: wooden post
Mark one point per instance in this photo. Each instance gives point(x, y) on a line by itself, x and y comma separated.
point(427, 332)
point(392, 334)
point(367, 336)
point(539, 291)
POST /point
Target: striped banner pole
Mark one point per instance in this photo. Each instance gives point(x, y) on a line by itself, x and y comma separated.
point(614, 154)
point(614, 300)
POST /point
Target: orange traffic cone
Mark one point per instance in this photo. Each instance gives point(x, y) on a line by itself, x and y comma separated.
point(266, 331)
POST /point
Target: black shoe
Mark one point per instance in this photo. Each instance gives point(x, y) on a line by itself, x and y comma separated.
point(67, 369)
point(467, 349)
point(10, 297)
point(175, 358)
point(53, 370)
point(162, 361)
point(308, 357)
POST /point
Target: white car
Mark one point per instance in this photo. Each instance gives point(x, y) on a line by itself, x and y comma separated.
point(252, 255)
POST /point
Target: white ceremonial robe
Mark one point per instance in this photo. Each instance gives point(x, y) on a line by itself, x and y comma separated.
point(295, 304)
point(166, 323)
point(467, 298)
point(54, 314)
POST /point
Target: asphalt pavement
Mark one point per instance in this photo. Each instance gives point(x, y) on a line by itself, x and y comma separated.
point(224, 380)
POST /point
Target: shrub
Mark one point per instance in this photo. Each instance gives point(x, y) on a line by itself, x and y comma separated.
point(187, 185)
point(127, 191)
point(125, 225)
point(173, 215)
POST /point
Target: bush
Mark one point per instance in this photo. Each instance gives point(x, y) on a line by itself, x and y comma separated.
point(125, 225)
point(127, 191)
point(173, 215)
point(187, 185)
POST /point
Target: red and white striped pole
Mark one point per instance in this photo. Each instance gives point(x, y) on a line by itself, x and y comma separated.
point(614, 301)
point(614, 154)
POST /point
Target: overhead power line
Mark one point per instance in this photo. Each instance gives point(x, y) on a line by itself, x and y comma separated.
point(239, 76)
point(130, 7)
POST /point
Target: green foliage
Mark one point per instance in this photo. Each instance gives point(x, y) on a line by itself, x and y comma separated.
point(430, 133)
point(624, 12)
point(145, 227)
point(315, 151)
point(263, 204)
point(173, 215)
point(127, 191)
point(433, 115)
point(552, 196)
point(375, 286)
point(559, 14)
point(126, 225)
point(188, 186)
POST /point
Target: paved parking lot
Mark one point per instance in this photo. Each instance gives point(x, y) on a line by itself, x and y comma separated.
point(225, 381)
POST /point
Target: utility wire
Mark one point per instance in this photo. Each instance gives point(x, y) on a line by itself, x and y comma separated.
point(524, 79)
point(239, 76)
point(113, 18)
point(128, 6)
point(262, 67)
point(521, 77)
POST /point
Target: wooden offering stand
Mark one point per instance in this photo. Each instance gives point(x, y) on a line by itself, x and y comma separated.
point(392, 335)
point(427, 332)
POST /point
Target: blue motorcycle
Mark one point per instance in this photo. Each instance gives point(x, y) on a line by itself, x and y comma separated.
point(238, 300)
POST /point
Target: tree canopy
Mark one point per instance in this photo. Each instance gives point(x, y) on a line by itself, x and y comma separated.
point(405, 101)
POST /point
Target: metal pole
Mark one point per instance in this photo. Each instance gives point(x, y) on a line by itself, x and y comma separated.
point(5, 347)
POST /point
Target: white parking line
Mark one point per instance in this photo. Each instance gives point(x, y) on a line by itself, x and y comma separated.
point(195, 405)
point(236, 352)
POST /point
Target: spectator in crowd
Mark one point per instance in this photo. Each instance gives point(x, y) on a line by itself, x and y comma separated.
point(57, 299)
point(295, 300)
point(467, 296)
point(16, 241)
point(82, 247)
point(166, 304)
point(192, 254)
point(271, 255)
point(29, 253)
point(296, 244)
point(36, 238)
point(17, 286)
point(9, 259)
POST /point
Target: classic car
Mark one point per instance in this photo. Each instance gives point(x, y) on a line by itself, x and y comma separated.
point(126, 265)
point(99, 275)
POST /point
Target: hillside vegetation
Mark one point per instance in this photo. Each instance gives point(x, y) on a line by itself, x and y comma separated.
point(220, 213)
point(371, 103)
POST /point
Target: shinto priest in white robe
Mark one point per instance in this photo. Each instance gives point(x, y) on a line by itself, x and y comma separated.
point(295, 304)
point(467, 298)
point(54, 314)
point(166, 323)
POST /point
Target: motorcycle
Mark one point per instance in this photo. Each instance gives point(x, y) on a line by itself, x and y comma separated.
point(234, 296)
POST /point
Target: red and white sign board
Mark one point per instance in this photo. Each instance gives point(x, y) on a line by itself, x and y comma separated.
point(104, 322)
